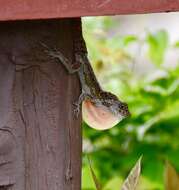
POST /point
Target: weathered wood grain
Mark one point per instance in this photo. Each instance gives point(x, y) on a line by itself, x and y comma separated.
point(40, 140)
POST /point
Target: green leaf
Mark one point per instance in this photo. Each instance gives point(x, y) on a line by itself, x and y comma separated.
point(176, 44)
point(114, 183)
point(96, 182)
point(129, 39)
point(158, 44)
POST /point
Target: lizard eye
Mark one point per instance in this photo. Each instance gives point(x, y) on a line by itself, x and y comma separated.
point(122, 106)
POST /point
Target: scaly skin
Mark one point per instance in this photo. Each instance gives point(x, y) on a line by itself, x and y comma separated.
point(91, 90)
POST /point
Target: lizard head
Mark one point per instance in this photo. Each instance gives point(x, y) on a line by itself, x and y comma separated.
point(118, 108)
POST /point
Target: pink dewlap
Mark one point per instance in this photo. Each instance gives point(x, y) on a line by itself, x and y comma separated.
point(98, 117)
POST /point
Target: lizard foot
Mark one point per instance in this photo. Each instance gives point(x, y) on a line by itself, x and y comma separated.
point(77, 104)
point(76, 110)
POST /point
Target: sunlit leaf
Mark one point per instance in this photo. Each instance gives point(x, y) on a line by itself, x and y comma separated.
point(158, 44)
point(96, 182)
point(114, 183)
point(171, 178)
point(150, 184)
point(108, 23)
point(129, 39)
point(176, 44)
point(87, 180)
point(132, 180)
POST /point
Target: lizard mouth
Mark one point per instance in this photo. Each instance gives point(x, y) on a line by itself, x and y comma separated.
point(99, 117)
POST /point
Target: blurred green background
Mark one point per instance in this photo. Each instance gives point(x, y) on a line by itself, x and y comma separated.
point(134, 67)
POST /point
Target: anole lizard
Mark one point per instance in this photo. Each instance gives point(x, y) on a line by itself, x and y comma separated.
point(101, 110)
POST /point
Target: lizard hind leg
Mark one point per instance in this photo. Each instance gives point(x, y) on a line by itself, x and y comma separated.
point(56, 54)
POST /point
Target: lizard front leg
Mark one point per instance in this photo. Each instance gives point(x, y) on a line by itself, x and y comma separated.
point(83, 96)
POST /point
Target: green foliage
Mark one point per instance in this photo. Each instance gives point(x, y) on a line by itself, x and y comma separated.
point(153, 100)
point(129, 39)
point(158, 44)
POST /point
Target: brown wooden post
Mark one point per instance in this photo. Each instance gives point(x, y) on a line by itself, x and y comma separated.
point(40, 140)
